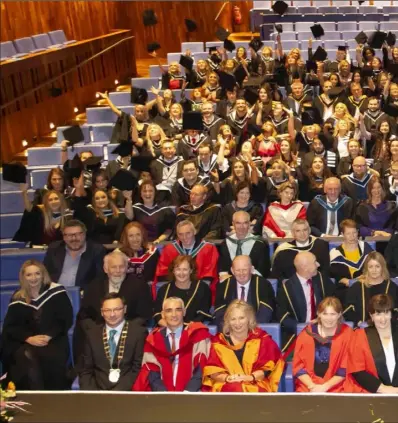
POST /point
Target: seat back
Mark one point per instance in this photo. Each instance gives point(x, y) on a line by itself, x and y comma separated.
point(74, 296)
point(24, 45)
point(5, 297)
point(57, 37)
point(9, 224)
point(44, 156)
point(273, 329)
point(7, 49)
point(41, 41)
point(102, 132)
point(192, 46)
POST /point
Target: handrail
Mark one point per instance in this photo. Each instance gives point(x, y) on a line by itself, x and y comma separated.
point(3, 106)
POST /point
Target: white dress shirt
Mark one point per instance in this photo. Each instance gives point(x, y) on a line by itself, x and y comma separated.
point(307, 293)
point(239, 289)
point(390, 358)
point(177, 337)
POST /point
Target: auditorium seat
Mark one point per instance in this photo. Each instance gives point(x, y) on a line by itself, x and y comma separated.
point(192, 46)
point(74, 296)
point(202, 55)
point(11, 261)
point(212, 44)
point(9, 285)
point(347, 9)
point(44, 156)
point(304, 35)
point(12, 201)
point(6, 185)
point(332, 36)
point(327, 26)
point(26, 45)
point(9, 224)
point(7, 244)
point(156, 72)
point(39, 177)
point(327, 10)
point(305, 10)
point(285, 36)
point(273, 329)
point(8, 51)
point(58, 37)
point(365, 10)
point(333, 44)
point(5, 297)
point(369, 26)
point(121, 98)
point(388, 26)
point(102, 132)
point(85, 129)
point(274, 283)
point(44, 41)
point(350, 34)
point(96, 148)
point(288, 45)
point(287, 27)
point(146, 83)
point(347, 26)
point(105, 114)
point(387, 10)
point(315, 44)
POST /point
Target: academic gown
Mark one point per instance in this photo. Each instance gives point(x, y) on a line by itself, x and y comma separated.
point(254, 209)
point(366, 366)
point(38, 368)
point(181, 191)
point(197, 300)
point(282, 265)
point(144, 265)
point(355, 188)
point(391, 255)
point(261, 296)
point(292, 306)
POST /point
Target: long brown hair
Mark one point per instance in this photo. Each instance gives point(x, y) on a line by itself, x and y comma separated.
point(312, 177)
point(371, 184)
point(374, 255)
point(124, 239)
point(59, 172)
point(47, 212)
point(24, 293)
point(111, 204)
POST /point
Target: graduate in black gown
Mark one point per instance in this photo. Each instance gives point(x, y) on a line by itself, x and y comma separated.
point(35, 346)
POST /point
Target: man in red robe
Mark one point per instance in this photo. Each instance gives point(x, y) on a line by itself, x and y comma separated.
point(204, 253)
point(175, 355)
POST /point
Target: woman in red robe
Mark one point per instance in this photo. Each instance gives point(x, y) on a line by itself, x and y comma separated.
point(243, 358)
point(372, 365)
point(320, 355)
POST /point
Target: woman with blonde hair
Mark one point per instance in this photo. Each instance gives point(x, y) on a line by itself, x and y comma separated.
point(155, 136)
point(340, 112)
point(212, 87)
point(243, 358)
point(320, 354)
point(42, 224)
point(375, 279)
point(265, 145)
point(35, 346)
point(341, 135)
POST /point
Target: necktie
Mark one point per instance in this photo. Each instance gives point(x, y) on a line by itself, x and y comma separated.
point(332, 220)
point(173, 342)
point(193, 140)
point(239, 247)
point(112, 343)
point(312, 299)
point(242, 293)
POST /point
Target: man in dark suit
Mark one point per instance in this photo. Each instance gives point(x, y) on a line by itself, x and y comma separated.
point(74, 261)
point(326, 212)
point(299, 296)
point(118, 341)
point(246, 286)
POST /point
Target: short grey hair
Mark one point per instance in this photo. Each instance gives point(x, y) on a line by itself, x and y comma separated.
point(115, 254)
point(169, 299)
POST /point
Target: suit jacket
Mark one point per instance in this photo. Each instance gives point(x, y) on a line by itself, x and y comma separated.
point(93, 366)
point(261, 296)
point(292, 306)
point(317, 215)
point(90, 266)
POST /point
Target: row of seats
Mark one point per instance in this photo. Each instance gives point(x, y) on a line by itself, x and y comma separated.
point(40, 42)
point(343, 26)
point(317, 3)
point(337, 7)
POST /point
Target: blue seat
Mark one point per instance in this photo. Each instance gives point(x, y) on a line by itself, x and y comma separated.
point(155, 71)
point(348, 9)
point(305, 10)
point(9, 224)
point(6, 185)
point(304, 35)
point(327, 10)
point(108, 149)
point(389, 26)
point(8, 51)
point(44, 41)
point(365, 10)
point(274, 284)
point(203, 55)
point(44, 156)
point(369, 26)
point(288, 45)
point(85, 129)
point(12, 261)
point(387, 10)
point(12, 201)
point(100, 115)
point(273, 329)
point(102, 132)
point(212, 329)
point(332, 36)
point(146, 83)
point(315, 44)
point(121, 98)
point(7, 244)
point(5, 297)
point(74, 296)
point(285, 36)
point(213, 44)
point(192, 46)
point(39, 177)
point(59, 37)
point(9, 285)
point(26, 45)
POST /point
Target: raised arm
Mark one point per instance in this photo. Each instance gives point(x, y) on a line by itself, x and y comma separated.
point(159, 100)
point(26, 202)
point(155, 56)
point(290, 126)
point(110, 104)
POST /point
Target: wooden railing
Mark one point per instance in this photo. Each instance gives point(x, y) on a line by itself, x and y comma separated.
point(79, 70)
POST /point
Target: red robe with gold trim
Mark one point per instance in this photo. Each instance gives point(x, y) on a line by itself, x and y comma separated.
point(261, 353)
point(193, 351)
point(304, 357)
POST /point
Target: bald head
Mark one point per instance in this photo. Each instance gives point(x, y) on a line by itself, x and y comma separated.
point(242, 269)
point(359, 167)
point(306, 264)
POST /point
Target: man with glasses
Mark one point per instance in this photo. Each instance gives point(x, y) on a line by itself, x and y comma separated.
point(355, 184)
point(112, 350)
point(74, 261)
point(174, 355)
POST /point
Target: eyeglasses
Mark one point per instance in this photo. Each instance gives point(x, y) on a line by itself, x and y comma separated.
point(75, 235)
point(112, 310)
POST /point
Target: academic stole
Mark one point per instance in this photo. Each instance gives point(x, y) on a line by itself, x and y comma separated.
point(122, 343)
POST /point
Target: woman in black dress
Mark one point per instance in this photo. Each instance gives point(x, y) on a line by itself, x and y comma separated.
point(311, 185)
point(184, 284)
point(35, 346)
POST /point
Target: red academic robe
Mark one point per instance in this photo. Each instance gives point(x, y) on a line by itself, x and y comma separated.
point(304, 357)
point(193, 351)
point(261, 353)
point(206, 258)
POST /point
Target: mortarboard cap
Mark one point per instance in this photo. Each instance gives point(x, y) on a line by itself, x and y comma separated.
point(55, 92)
point(186, 62)
point(240, 74)
point(320, 54)
point(361, 2)
point(138, 96)
point(93, 162)
point(391, 39)
point(361, 38)
point(141, 163)
point(280, 7)
point(254, 81)
point(366, 71)
point(256, 44)
point(192, 120)
point(251, 96)
point(75, 167)
point(222, 34)
point(229, 45)
point(73, 134)
point(149, 18)
point(151, 47)
point(377, 39)
point(311, 66)
point(191, 25)
point(317, 31)
point(335, 92)
point(124, 149)
point(215, 58)
point(279, 28)
point(227, 81)
point(342, 48)
point(391, 110)
point(124, 180)
point(311, 116)
point(14, 172)
point(212, 49)
point(253, 130)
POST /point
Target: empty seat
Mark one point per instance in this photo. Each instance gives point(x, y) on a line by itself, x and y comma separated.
point(304, 10)
point(85, 129)
point(273, 329)
point(315, 44)
point(305, 35)
point(285, 36)
point(8, 51)
point(288, 45)
point(327, 26)
point(318, 3)
point(100, 115)
point(327, 10)
point(26, 45)
point(369, 26)
point(96, 149)
point(352, 44)
point(59, 37)
point(146, 83)
point(6, 185)
point(347, 9)
point(39, 177)
point(155, 71)
point(44, 41)
point(44, 156)
point(288, 27)
point(387, 10)
point(12, 201)
point(74, 296)
point(274, 284)
point(192, 46)
point(389, 26)
point(350, 35)
point(347, 26)
point(213, 44)
point(203, 55)
point(365, 10)
point(120, 98)
point(332, 44)
point(304, 54)
point(9, 224)
point(102, 132)
point(332, 35)
point(7, 244)
point(264, 4)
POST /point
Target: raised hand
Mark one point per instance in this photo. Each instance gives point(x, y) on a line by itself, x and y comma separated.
point(154, 90)
point(103, 95)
